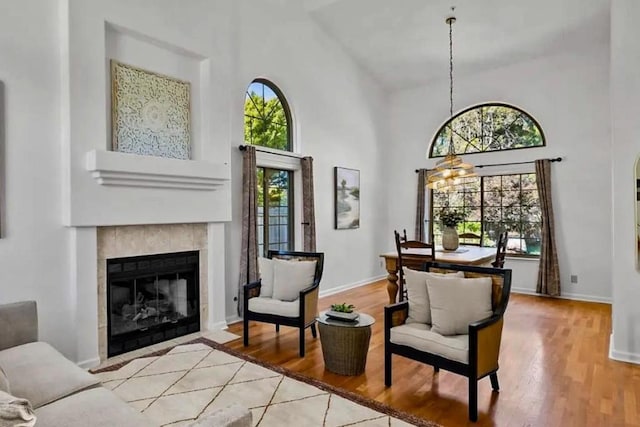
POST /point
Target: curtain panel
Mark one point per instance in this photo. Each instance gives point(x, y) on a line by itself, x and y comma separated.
point(549, 271)
point(249, 253)
point(308, 206)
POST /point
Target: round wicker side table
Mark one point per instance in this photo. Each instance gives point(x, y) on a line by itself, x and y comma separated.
point(345, 344)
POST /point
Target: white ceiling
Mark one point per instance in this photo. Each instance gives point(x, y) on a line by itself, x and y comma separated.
point(404, 43)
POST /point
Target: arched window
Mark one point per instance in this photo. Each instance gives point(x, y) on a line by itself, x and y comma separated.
point(267, 123)
point(495, 203)
point(266, 116)
point(488, 127)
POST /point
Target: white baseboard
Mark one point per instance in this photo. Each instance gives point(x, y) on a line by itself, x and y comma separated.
point(234, 319)
point(342, 288)
point(622, 356)
point(217, 326)
point(570, 296)
point(89, 363)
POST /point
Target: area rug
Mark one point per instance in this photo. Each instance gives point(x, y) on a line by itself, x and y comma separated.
point(176, 386)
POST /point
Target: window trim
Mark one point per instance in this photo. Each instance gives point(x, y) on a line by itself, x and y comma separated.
point(487, 104)
point(285, 106)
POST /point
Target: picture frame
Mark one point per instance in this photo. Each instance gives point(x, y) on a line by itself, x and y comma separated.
point(150, 113)
point(346, 198)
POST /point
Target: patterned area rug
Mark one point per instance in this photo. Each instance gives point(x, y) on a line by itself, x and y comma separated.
point(174, 387)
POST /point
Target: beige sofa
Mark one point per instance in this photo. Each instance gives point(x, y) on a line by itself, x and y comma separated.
point(61, 393)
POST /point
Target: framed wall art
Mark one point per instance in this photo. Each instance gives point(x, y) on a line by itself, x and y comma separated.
point(347, 198)
point(150, 113)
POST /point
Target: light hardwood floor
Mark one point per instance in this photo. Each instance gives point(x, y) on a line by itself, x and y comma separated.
point(554, 367)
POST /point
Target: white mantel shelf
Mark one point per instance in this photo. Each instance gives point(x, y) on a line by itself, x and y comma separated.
point(112, 168)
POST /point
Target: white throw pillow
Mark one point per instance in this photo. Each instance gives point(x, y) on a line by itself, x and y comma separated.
point(457, 302)
point(265, 267)
point(417, 295)
point(290, 277)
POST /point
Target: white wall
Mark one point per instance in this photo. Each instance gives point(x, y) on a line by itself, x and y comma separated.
point(568, 95)
point(55, 76)
point(625, 145)
point(339, 120)
point(34, 247)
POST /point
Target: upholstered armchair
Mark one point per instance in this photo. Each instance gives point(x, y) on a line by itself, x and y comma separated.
point(433, 325)
point(286, 294)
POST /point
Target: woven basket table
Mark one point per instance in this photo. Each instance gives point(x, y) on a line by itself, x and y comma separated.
point(345, 344)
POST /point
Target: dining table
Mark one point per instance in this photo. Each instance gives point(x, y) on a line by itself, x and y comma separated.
point(464, 255)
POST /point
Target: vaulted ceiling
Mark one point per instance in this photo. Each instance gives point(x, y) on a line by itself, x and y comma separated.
point(404, 43)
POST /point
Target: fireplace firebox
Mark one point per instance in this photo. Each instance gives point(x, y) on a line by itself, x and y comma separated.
point(151, 299)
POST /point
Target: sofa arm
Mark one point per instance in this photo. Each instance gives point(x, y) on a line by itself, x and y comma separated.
point(18, 324)
point(252, 289)
point(396, 314)
point(231, 416)
point(484, 338)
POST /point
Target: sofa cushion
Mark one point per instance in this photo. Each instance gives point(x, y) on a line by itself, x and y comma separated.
point(15, 411)
point(417, 295)
point(457, 302)
point(38, 373)
point(4, 382)
point(265, 266)
point(420, 337)
point(290, 277)
point(274, 306)
point(97, 407)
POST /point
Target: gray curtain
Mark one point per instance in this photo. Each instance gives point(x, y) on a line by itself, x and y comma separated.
point(420, 206)
point(249, 253)
point(308, 206)
point(549, 271)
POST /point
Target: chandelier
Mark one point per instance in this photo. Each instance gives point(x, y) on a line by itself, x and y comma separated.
point(450, 170)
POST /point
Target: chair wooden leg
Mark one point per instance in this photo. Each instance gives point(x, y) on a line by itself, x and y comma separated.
point(436, 369)
point(387, 368)
point(246, 331)
point(302, 342)
point(313, 330)
point(277, 327)
point(473, 399)
point(494, 381)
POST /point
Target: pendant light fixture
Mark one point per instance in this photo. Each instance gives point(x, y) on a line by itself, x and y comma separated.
point(450, 170)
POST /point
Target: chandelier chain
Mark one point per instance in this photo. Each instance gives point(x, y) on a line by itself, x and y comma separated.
point(450, 22)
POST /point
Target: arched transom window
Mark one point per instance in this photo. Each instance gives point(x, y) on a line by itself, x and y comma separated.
point(488, 127)
point(266, 116)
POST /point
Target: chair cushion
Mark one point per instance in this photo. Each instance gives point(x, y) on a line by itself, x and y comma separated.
point(417, 295)
point(420, 337)
point(290, 277)
point(265, 266)
point(38, 373)
point(15, 411)
point(457, 302)
point(97, 407)
point(274, 306)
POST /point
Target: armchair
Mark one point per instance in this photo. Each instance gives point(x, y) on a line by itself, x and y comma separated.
point(474, 355)
point(262, 306)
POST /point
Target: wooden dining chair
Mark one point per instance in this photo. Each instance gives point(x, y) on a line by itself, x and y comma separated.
point(465, 237)
point(406, 261)
point(501, 250)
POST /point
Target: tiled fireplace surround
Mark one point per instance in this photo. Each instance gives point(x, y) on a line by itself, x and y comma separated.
point(91, 246)
point(135, 240)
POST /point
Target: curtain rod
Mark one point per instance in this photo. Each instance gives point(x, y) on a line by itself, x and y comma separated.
point(244, 148)
point(556, 159)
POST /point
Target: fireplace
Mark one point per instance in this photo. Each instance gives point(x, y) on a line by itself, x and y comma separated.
point(151, 299)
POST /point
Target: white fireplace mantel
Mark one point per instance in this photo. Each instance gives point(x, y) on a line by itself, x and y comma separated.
point(130, 170)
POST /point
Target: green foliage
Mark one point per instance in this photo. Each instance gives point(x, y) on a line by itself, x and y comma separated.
point(488, 128)
point(343, 308)
point(265, 122)
point(450, 217)
point(356, 192)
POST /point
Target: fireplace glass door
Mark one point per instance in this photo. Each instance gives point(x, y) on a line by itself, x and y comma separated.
point(151, 299)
